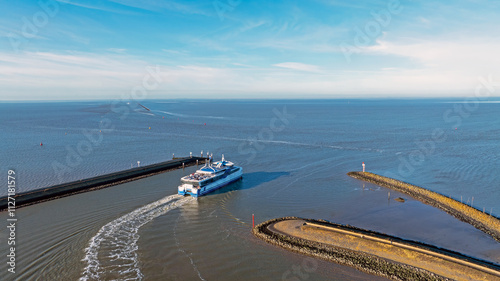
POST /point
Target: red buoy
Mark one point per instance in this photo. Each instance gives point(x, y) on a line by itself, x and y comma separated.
point(41, 144)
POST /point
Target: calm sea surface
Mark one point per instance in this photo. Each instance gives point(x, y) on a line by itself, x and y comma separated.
point(295, 156)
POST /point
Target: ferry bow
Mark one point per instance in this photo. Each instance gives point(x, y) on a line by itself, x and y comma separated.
point(210, 178)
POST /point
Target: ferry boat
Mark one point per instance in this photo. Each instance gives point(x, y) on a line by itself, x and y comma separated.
point(210, 178)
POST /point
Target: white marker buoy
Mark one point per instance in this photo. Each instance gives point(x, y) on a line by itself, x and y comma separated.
point(138, 163)
point(363, 167)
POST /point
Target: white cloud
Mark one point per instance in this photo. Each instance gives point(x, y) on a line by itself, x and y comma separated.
point(252, 24)
point(43, 75)
point(91, 6)
point(442, 67)
point(159, 6)
point(31, 75)
point(117, 50)
point(452, 55)
point(299, 66)
point(424, 20)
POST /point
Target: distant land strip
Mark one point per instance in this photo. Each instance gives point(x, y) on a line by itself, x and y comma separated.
point(480, 220)
point(373, 252)
point(66, 189)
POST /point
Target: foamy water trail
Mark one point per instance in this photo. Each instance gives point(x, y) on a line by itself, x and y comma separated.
point(113, 249)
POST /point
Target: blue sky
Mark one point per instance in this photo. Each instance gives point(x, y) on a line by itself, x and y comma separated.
point(247, 49)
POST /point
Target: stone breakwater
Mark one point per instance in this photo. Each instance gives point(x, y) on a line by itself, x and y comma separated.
point(359, 260)
point(95, 183)
point(480, 220)
point(373, 252)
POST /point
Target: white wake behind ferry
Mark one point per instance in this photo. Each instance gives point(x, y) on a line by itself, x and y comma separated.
point(210, 177)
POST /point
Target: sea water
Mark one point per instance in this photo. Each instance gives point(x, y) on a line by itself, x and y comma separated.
point(295, 154)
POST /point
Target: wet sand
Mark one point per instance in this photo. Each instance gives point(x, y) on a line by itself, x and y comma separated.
point(373, 252)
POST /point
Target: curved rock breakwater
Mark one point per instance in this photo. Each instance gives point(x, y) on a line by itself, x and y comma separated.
point(373, 252)
point(480, 220)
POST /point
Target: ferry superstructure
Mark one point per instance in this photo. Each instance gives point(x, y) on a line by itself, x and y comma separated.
point(210, 178)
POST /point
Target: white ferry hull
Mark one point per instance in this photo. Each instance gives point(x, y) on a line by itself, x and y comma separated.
point(187, 189)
